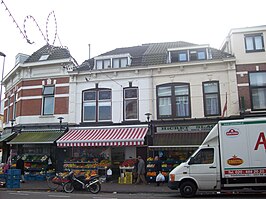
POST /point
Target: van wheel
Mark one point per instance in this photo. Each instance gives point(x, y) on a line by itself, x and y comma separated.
point(188, 189)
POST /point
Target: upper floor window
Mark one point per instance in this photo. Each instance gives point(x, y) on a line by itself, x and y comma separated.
point(120, 62)
point(173, 100)
point(257, 81)
point(8, 110)
point(188, 55)
point(254, 43)
point(44, 57)
point(197, 54)
point(131, 103)
point(211, 98)
point(97, 105)
point(182, 56)
point(103, 64)
point(48, 100)
point(15, 106)
point(106, 62)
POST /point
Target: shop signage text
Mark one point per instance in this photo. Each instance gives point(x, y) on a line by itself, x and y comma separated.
point(185, 128)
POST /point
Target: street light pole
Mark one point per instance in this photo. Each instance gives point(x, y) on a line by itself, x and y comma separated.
point(149, 134)
point(12, 125)
point(60, 121)
point(3, 55)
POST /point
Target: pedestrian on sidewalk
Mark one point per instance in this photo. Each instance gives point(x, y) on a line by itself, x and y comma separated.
point(157, 168)
point(141, 171)
point(20, 165)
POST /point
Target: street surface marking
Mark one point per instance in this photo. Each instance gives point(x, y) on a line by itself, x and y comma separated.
point(21, 194)
point(103, 198)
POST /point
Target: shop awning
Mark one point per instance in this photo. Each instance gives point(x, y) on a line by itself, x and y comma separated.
point(179, 139)
point(104, 136)
point(170, 148)
point(5, 136)
point(34, 137)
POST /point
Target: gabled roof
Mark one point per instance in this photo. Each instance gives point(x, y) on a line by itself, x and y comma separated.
point(54, 53)
point(151, 54)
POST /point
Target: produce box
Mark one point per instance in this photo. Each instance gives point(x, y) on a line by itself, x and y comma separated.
point(125, 180)
point(13, 172)
point(13, 184)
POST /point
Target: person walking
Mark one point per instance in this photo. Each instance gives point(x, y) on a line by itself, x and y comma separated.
point(20, 165)
point(141, 171)
point(157, 167)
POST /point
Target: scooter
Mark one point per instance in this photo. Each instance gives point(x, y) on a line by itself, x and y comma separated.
point(92, 184)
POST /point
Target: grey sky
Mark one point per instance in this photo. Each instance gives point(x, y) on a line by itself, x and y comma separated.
point(109, 24)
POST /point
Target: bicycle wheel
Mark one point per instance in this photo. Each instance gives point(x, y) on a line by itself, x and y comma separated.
point(51, 184)
point(68, 187)
point(95, 188)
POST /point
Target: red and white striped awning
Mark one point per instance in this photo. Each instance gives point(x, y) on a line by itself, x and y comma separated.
point(104, 136)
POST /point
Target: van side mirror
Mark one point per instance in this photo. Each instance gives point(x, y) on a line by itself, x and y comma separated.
point(191, 161)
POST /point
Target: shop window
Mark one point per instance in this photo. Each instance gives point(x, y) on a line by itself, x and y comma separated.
point(254, 43)
point(48, 100)
point(204, 156)
point(173, 100)
point(97, 105)
point(211, 98)
point(131, 103)
point(257, 82)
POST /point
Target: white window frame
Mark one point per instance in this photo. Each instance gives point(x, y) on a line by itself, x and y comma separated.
point(48, 96)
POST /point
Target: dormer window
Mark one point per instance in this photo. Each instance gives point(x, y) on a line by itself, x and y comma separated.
point(182, 56)
point(191, 54)
point(198, 54)
point(120, 62)
point(103, 64)
point(112, 61)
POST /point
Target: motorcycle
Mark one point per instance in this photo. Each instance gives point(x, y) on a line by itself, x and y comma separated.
point(92, 184)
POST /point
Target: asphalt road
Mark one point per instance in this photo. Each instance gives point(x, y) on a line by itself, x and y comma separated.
point(83, 195)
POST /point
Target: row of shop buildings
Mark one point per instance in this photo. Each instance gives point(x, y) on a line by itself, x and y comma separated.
point(153, 99)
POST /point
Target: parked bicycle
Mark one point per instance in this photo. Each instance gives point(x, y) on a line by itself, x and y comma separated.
point(91, 184)
point(57, 180)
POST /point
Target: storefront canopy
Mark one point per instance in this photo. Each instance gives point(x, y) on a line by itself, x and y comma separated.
point(104, 136)
point(34, 137)
point(5, 136)
point(181, 140)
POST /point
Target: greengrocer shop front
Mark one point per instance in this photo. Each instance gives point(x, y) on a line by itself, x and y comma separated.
point(178, 142)
point(96, 149)
point(173, 143)
point(38, 149)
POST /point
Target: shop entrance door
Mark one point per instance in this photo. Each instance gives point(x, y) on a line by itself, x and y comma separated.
point(117, 157)
point(142, 151)
point(60, 157)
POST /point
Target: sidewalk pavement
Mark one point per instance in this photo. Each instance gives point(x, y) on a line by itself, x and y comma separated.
point(107, 187)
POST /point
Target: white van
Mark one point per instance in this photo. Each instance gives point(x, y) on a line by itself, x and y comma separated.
point(232, 156)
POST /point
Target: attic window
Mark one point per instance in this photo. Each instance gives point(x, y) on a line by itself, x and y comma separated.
point(188, 55)
point(103, 64)
point(120, 62)
point(44, 57)
point(112, 61)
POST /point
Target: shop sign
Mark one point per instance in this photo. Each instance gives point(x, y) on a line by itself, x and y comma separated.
point(185, 128)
